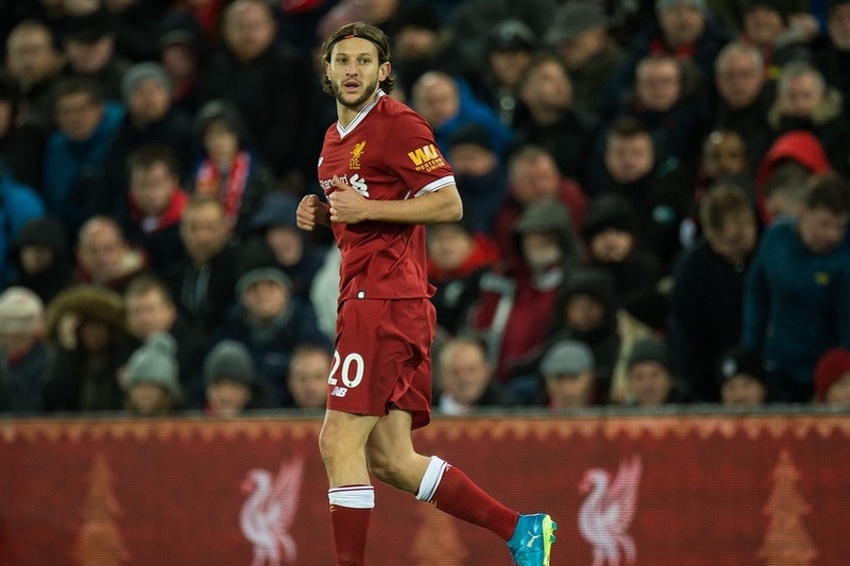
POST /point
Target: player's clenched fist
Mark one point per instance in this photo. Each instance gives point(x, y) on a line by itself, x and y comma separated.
point(311, 212)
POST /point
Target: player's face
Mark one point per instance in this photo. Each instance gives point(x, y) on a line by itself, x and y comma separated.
point(355, 72)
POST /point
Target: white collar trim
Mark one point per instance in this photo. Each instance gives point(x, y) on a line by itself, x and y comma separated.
point(360, 116)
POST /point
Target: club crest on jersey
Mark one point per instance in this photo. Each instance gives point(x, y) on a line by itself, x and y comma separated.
point(426, 158)
point(356, 154)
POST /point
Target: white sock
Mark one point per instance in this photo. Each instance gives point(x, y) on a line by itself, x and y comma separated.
point(353, 496)
point(431, 480)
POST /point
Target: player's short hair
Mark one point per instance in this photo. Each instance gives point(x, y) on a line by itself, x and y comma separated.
point(364, 31)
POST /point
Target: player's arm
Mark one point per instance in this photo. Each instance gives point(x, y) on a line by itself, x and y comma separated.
point(349, 206)
point(312, 212)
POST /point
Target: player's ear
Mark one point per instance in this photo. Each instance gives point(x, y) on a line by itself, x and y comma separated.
point(384, 71)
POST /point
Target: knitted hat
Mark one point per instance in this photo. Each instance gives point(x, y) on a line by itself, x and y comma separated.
point(831, 366)
point(543, 216)
point(511, 35)
point(90, 28)
point(229, 359)
point(258, 274)
point(276, 209)
point(141, 72)
point(21, 311)
point(609, 211)
point(662, 5)
point(647, 350)
point(736, 361)
point(567, 357)
point(574, 18)
point(154, 362)
point(471, 134)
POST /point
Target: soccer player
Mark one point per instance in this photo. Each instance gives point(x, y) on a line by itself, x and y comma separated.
point(384, 178)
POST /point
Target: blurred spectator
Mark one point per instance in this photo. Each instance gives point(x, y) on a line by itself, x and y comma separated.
point(153, 381)
point(447, 104)
point(156, 203)
point(579, 35)
point(783, 174)
point(23, 354)
point(585, 309)
point(832, 56)
point(797, 291)
point(288, 248)
point(468, 25)
point(479, 175)
point(269, 85)
point(228, 168)
point(805, 102)
point(744, 95)
point(182, 52)
point(741, 378)
point(22, 141)
point(517, 296)
point(707, 298)
point(457, 259)
point(309, 367)
point(89, 42)
point(675, 113)
point(767, 24)
point(41, 258)
point(150, 118)
point(510, 47)
point(104, 257)
point(416, 43)
point(554, 122)
point(380, 13)
point(151, 309)
point(18, 205)
point(725, 160)
point(86, 328)
point(77, 151)
point(325, 291)
point(135, 23)
point(662, 199)
point(610, 233)
point(832, 378)
point(651, 382)
point(465, 379)
point(568, 371)
point(271, 322)
point(685, 29)
point(203, 283)
point(232, 383)
point(533, 177)
point(33, 60)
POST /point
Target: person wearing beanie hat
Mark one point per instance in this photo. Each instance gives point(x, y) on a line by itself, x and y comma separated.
point(610, 233)
point(152, 379)
point(90, 51)
point(137, 75)
point(741, 377)
point(767, 24)
point(271, 321)
point(832, 378)
point(651, 383)
point(230, 378)
point(568, 374)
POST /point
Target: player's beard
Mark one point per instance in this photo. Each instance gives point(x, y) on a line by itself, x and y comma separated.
point(358, 103)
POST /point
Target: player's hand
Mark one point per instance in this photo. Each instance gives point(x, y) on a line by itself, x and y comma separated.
point(311, 212)
point(346, 204)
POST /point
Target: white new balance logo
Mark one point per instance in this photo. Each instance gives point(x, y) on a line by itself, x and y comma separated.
point(530, 542)
point(340, 392)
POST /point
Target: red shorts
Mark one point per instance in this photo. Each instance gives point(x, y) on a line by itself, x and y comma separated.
point(383, 358)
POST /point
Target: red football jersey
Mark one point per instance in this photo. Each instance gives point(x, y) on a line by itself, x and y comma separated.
point(387, 153)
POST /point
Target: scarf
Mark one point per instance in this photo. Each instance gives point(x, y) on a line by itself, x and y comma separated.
point(228, 188)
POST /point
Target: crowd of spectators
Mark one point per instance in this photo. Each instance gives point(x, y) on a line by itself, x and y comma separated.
point(656, 201)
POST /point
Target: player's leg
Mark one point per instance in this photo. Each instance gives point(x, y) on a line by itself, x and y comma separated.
point(392, 459)
point(342, 442)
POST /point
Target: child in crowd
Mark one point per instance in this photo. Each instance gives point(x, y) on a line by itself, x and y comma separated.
point(153, 384)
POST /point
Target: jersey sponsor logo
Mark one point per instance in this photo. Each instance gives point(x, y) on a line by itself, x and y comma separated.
point(356, 154)
point(426, 158)
point(339, 391)
point(357, 182)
